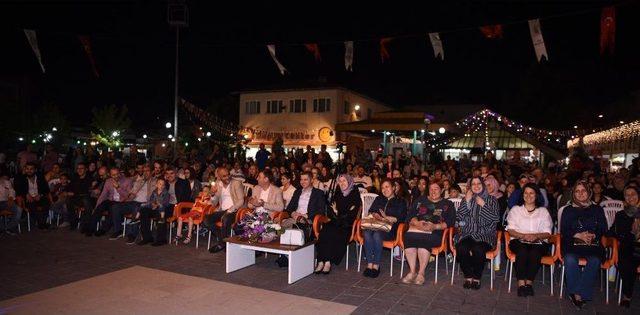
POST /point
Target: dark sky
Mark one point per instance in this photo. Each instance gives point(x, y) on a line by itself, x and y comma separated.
point(223, 50)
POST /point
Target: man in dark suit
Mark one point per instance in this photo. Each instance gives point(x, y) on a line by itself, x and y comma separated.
point(305, 203)
point(34, 191)
point(179, 191)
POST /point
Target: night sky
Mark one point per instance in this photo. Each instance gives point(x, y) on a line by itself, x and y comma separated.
point(223, 50)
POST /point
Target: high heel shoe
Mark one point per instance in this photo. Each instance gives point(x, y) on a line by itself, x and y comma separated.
point(319, 268)
point(327, 268)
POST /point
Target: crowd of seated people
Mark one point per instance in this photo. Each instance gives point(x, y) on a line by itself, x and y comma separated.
point(485, 206)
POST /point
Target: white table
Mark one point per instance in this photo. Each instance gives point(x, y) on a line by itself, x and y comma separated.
point(241, 254)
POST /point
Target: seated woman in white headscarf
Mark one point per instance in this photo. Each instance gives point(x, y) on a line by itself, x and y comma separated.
point(335, 234)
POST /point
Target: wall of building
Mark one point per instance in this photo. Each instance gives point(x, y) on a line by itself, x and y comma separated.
point(301, 129)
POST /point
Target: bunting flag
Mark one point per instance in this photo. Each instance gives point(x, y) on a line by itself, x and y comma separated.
point(608, 30)
point(384, 52)
point(315, 50)
point(538, 41)
point(86, 44)
point(348, 55)
point(438, 51)
point(492, 31)
point(272, 52)
point(33, 41)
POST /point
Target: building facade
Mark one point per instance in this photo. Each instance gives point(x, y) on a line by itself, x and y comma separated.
point(302, 117)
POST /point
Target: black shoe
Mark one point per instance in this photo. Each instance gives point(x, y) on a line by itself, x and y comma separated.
point(625, 303)
point(467, 284)
point(282, 261)
point(145, 242)
point(367, 272)
point(99, 233)
point(10, 232)
point(158, 243)
point(375, 273)
point(529, 290)
point(215, 249)
point(577, 303)
point(475, 285)
point(521, 291)
point(115, 236)
point(88, 233)
point(131, 239)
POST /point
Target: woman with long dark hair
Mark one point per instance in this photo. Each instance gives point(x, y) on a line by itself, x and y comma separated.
point(478, 216)
point(529, 227)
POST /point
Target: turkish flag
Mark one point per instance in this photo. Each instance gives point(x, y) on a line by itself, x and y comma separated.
point(315, 50)
point(492, 31)
point(608, 29)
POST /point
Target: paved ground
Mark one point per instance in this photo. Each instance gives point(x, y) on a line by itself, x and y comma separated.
point(40, 260)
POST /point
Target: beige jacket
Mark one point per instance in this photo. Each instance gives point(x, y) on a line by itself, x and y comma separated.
point(273, 203)
point(237, 195)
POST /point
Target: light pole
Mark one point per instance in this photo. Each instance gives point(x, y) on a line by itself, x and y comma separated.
point(177, 16)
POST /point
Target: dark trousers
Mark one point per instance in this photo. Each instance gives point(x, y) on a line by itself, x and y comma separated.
point(39, 209)
point(332, 243)
point(96, 215)
point(472, 256)
point(148, 214)
point(120, 209)
point(527, 258)
point(627, 266)
point(77, 202)
point(227, 219)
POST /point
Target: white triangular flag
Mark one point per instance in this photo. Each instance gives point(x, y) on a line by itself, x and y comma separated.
point(348, 55)
point(438, 51)
point(33, 41)
point(538, 41)
point(272, 51)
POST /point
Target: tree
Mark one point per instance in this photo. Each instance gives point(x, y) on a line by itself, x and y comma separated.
point(109, 124)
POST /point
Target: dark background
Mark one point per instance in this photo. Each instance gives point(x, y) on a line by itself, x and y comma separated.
point(223, 50)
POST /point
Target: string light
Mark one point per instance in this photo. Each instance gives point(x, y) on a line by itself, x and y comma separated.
point(615, 134)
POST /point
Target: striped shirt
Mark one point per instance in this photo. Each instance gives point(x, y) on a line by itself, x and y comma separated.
point(477, 222)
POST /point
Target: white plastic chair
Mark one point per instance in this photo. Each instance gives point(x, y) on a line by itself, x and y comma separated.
point(463, 187)
point(247, 187)
point(611, 203)
point(456, 202)
point(367, 200)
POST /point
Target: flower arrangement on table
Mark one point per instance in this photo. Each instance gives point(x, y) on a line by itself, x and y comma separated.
point(259, 227)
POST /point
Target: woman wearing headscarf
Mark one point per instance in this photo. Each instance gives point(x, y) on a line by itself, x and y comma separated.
point(477, 218)
point(334, 236)
point(493, 189)
point(582, 224)
point(626, 228)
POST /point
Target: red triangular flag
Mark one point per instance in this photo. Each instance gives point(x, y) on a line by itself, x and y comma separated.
point(492, 31)
point(384, 53)
point(608, 29)
point(86, 44)
point(315, 50)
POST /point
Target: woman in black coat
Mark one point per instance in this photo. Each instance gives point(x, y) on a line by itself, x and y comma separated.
point(626, 228)
point(334, 236)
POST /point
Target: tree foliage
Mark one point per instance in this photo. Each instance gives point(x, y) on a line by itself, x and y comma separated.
point(109, 124)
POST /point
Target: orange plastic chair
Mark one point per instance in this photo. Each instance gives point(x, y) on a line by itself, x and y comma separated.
point(490, 255)
point(318, 221)
point(549, 260)
point(402, 228)
point(610, 243)
point(177, 211)
point(279, 216)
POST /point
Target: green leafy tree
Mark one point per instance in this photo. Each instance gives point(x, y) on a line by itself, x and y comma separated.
point(109, 124)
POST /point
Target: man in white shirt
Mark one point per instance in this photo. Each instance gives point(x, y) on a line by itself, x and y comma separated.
point(228, 195)
point(7, 197)
point(361, 179)
point(266, 197)
point(141, 190)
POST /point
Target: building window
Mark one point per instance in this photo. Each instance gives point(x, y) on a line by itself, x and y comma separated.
point(252, 107)
point(321, 105)
point(347, 108)
point(275, 107)
point(298, 106)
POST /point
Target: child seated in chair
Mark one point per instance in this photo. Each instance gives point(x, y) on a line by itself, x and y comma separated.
point(158, 201)
point(196, 213)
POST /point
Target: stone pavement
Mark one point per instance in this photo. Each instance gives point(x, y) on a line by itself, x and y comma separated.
point(40, 260)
